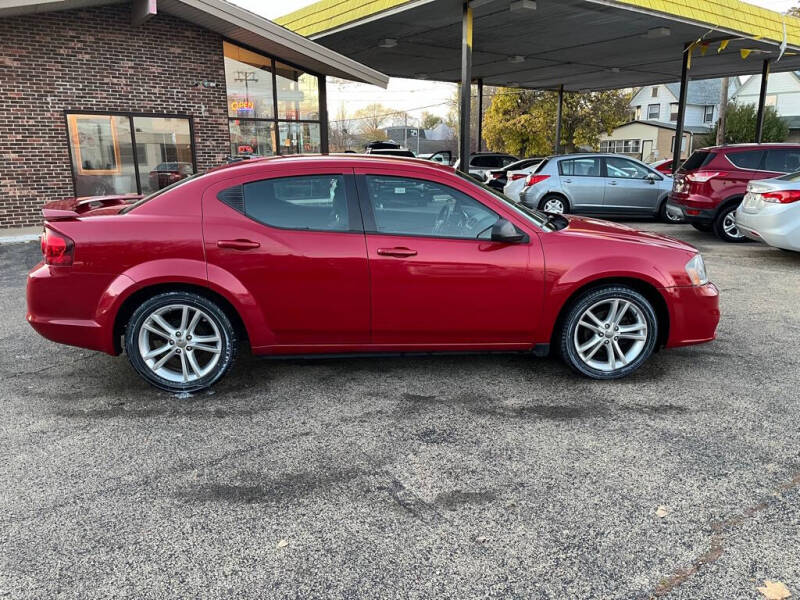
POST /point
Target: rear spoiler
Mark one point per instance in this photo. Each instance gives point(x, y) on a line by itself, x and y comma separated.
point(67, 210)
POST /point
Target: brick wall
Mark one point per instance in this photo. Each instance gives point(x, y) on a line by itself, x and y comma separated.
point(93, 59)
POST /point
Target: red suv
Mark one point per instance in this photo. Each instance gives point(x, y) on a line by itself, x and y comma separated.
point(326, 255)
point(710, 185)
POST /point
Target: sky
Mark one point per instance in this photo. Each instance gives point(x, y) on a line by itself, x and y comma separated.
point(402, 94)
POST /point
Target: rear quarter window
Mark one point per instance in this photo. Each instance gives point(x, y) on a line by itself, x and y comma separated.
point(697, 160)
point(750, 159)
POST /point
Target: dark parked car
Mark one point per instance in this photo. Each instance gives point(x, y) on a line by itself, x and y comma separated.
point(710, 185)
point(482, 162)
point(168, 173)
point(498, 178)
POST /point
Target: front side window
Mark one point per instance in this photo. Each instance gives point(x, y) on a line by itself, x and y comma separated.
point(405, 206)
point(580, 167)
point(750, 159)
point(654, 112)
point(127, 154)
point(625, 169)
point(313, 202)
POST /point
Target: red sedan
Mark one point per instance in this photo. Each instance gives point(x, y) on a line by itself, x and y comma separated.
point(355, 254)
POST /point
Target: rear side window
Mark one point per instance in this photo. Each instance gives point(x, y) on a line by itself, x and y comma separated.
point(697, 160)
point(580, 167)
point(487, 162)
point(507, 160)
point(313, 202)
point(750, 159)
point(783, 160)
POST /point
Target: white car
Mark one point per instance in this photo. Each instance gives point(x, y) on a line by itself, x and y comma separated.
point(770, 212)
point(515, 181)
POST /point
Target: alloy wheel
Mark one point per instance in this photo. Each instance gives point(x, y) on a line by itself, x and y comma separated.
point(180, 343)
point(610, 334)
point(729, 225)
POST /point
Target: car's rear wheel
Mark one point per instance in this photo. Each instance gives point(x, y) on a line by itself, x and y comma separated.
point(725, 225)
point(609, 332)
point(554, 204)
point(180, 341)
point(704, 227)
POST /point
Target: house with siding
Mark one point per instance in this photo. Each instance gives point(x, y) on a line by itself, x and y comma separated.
point(783, 92)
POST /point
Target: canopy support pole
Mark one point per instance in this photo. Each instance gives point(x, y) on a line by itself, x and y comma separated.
point(466, 87)
point(762, 101)
point(480, 114)
point(559, 112)
point(323, 115)
point(678, 145)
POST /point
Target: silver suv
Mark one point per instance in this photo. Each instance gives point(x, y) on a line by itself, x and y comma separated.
point(609, 185)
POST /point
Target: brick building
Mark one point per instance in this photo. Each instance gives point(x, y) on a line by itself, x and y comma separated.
point(124, 97)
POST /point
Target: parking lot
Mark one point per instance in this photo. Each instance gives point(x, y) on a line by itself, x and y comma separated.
point(428, 477)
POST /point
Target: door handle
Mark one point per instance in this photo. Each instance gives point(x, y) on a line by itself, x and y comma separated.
point(612, 183)
point(397, 252)
point(568, 181)
point(238, 244)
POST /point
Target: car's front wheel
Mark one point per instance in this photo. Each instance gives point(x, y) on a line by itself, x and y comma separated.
point(609, 332)
point(180, 341)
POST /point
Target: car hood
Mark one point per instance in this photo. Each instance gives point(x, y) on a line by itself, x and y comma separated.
point(597, 228)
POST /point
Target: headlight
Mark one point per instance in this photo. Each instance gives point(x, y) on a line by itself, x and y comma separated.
point(696, 270)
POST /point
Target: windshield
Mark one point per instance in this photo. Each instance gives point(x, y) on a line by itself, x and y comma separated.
point(533, 215)
point(149, 197)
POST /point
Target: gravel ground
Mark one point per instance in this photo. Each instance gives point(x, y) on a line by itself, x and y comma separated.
point(456, 477)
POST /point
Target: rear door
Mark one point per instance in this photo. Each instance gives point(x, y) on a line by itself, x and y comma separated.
point(296, 243)
point(582, 180)
point(627, 188)
point(437, 281)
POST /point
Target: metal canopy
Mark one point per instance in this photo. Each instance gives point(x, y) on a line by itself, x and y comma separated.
point(580, 44)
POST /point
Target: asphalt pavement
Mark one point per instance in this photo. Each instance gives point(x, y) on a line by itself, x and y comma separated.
point(440, 477)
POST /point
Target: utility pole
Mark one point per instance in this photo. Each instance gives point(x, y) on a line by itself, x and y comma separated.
point(723, 112)
point(405, 130)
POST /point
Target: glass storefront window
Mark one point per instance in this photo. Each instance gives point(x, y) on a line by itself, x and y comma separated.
point(252, 137)
point(249, 82)
point(298, 94)
point(299, 138)
point(104, 160)
point(102, 155)
point(163, 151)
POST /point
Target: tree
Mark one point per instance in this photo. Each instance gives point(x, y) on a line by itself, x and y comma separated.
point(740, 126)
point(429, 120)
point(522, 122)
point(795, 12)
point(370, 119)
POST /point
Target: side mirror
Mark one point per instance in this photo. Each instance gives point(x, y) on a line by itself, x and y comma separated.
point(503, 231)
point(652, 177)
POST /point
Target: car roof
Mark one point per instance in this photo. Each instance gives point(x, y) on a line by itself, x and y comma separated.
point(344, 160)
point(767, 146)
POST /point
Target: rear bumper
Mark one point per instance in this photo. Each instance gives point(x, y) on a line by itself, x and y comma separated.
point(777, 225)
point(694, 314)
point(694, 209)
point(64, 312)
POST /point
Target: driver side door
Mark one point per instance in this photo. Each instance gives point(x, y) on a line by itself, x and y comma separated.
point(437, 281)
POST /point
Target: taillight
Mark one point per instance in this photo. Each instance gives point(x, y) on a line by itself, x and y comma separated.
point(515, 176)
point(534, 179)
point(57, 248)
point(781, 197)
point(495, 174)
point(703, 176)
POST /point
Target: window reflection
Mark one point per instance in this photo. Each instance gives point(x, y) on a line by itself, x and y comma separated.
point(249, 83)
point(298, 94)
point(299, 138)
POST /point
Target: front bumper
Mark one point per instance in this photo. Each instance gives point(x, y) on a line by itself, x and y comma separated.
point(777, 225)
point(694, 314)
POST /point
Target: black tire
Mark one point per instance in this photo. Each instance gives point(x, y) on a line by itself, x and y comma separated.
point(704, 227)
point(212, 321)
point(596, 297)
point(554, 197)
point(664, 217)
point(722, 225)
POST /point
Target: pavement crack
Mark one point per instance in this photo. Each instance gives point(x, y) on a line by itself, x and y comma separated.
point(719, 529)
